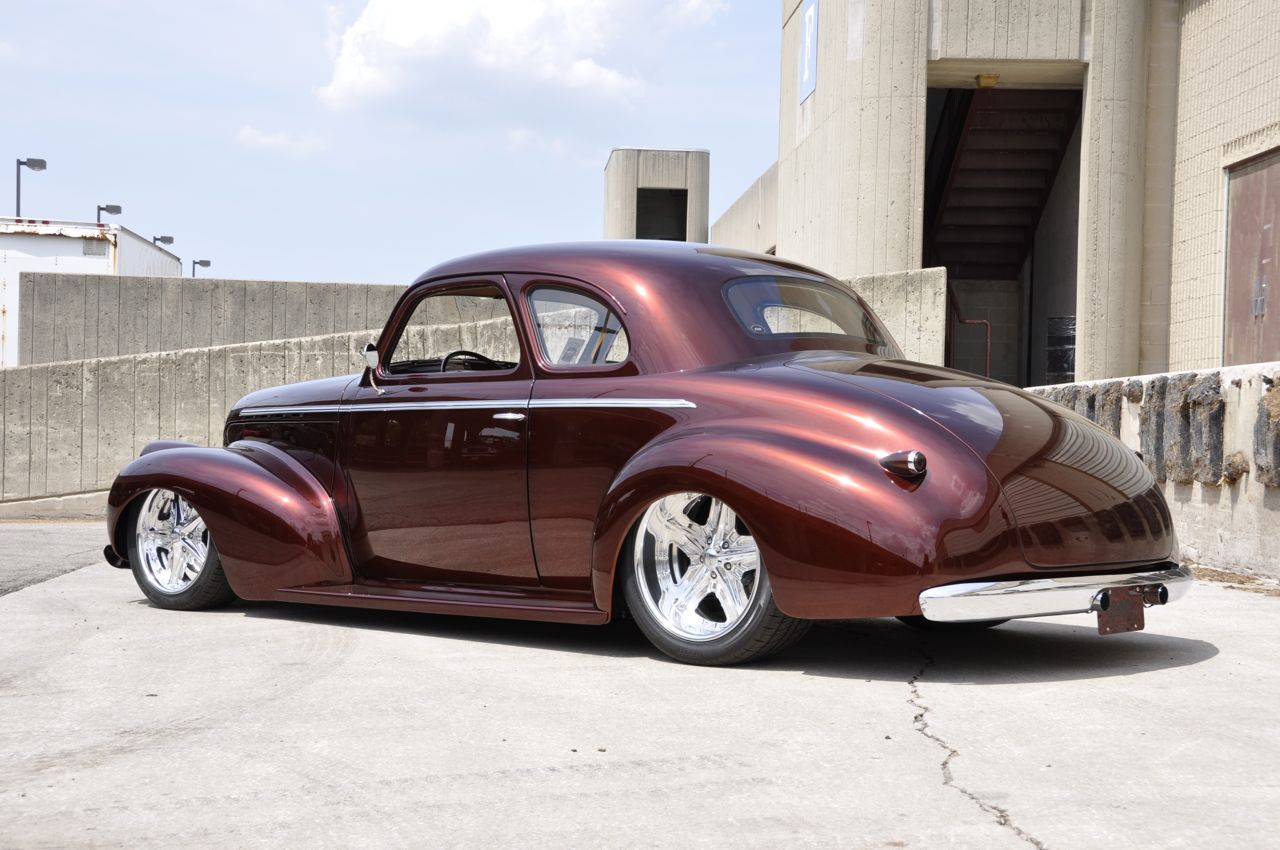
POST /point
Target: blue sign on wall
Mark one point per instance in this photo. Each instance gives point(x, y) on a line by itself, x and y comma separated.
point(808, 48)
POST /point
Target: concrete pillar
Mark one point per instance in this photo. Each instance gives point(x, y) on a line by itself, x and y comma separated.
point(851, 153)
point(1157, 233)
point(1112, 180)
point(630, 170)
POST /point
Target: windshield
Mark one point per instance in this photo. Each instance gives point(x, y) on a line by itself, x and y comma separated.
point(794, 309)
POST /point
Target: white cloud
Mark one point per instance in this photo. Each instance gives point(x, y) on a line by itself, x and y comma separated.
point(697, 12)
point(252, 137)
point(561, 43)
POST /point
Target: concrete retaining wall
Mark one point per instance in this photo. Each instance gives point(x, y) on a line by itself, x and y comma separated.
point(75, 316)
point(1213, 439)
point(70, 427)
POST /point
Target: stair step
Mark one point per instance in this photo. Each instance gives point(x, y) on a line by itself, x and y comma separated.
point(1017, 198)
point(969, 234)
point(986, 178)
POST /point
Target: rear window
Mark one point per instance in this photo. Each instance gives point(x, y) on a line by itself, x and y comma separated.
point(786, 307)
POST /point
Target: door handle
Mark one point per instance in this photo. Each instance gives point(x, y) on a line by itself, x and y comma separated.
point(509, 417)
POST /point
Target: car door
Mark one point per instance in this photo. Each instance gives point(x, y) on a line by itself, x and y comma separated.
point(435, 443)
point(590, 412)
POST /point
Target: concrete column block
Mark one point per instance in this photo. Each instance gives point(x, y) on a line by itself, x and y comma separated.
point(146, 396)
point(44, 298)
point(167, 364)
point(92, 316)
point(65, 427)
point(197, 313)
point(258, 311)
point(279, 297)
point(17, 432)
point(117, 408)
point(168, 331)
point(215, 398)
point(319, 309)
point(39, 429)
point(26, 309)
point(240, 373)
point(272, 365)
point(295, 309)
point(89, 418)
point(316, 358)
point(108, 318)
point(191, 397)
point(131, 325)
point(69, 321)
point(357, 307)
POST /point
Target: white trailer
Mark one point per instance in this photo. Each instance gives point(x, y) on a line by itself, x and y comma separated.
point(69, 247)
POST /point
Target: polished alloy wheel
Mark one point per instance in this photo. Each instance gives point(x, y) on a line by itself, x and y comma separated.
point(697, 566)
point(173, 542)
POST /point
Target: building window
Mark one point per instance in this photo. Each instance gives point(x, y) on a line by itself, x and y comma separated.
point(1253, 248)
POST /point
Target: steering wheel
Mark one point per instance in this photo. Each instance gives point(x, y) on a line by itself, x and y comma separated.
point(462, 352)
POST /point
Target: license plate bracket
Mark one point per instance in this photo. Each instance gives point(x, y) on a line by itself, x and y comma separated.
point(1124, 611)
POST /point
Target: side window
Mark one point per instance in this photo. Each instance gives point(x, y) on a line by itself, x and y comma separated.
point(577, 330)
point(458, 331)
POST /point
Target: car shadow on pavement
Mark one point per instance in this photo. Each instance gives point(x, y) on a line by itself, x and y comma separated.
point(872, 650)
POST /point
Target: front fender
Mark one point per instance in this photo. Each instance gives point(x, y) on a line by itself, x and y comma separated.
point(839, 535)
point(272, 522)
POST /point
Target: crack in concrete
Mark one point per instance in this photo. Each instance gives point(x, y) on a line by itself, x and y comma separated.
point(921, 723)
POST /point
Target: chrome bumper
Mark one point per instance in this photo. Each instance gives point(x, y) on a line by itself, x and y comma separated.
point(1044, 597)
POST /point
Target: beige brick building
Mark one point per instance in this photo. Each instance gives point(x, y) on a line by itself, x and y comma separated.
point(1100, 178)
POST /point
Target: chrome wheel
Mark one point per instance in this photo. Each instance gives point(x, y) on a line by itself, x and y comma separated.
point(173, 542)
point(696, 566)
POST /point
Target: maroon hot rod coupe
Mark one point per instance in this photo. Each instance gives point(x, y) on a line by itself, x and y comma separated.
point(725, 446)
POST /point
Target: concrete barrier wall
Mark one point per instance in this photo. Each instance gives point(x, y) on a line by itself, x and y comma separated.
point(913, 306)
point(70, 427)
point(75, 316)
point(1213, 439)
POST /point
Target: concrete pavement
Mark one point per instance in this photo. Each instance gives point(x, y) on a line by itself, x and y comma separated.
point(273, 725)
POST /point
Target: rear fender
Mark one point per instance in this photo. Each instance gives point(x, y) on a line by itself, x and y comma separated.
point(272, 522)
point(840, 536)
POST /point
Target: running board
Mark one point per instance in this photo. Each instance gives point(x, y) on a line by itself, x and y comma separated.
point(504, 603)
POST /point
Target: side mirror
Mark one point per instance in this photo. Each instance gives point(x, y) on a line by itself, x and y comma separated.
point(370, 352)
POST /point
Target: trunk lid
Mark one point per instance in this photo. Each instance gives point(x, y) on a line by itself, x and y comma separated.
point(1079, 496)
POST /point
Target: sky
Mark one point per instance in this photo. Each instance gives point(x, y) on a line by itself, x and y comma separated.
point(366, 140)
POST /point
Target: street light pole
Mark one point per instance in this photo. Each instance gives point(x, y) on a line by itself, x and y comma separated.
point(35, 165)
point(109, 209)
point(202, 263)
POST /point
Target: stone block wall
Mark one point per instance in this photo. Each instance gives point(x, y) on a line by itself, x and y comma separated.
point(76, 316)
point(1212, 438)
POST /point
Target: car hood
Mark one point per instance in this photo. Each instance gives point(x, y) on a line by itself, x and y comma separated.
point(1079, 495)
point(325, 392)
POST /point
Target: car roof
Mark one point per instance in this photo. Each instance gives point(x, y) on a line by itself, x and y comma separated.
point(670, 292)
point(605, 260)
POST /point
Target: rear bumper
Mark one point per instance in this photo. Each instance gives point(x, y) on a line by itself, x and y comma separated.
point(1044, 597)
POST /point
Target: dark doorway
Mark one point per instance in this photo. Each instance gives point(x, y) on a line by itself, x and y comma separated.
point(662, 214)
point(1001, 210)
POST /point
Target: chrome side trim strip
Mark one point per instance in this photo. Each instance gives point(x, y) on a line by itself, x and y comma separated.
point(392, 407)
point(1041, 597)
point(290, 409)
point(651, 403)
point(516, 404)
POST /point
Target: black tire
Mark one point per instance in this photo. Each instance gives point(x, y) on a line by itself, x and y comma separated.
point(927, 625)
point(209, 589)
point(763, 631)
